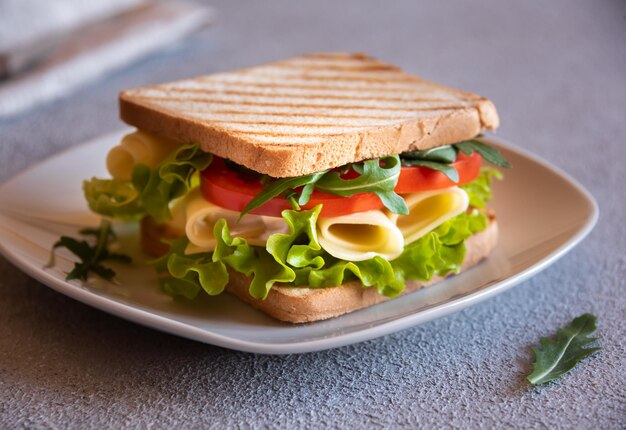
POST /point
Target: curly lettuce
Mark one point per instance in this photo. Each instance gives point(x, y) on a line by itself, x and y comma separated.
point(150, 191)
point(479, 190)
point(251, 261)
point(187, 275)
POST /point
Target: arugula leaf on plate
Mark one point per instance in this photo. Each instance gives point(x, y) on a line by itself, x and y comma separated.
point(91, 256)
point(559, 355)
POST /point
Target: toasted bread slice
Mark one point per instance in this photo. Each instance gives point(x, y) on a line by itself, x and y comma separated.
point(309, 113)
point(301, 304)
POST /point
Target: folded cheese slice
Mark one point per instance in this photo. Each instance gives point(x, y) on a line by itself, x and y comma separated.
point(138, 147)
point(201, 216)
point(360, 236)
point(428, 210)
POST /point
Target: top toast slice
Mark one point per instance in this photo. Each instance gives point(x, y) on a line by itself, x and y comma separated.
point(309, 113)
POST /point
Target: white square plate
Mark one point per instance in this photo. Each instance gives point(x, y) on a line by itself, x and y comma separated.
point(542, 213)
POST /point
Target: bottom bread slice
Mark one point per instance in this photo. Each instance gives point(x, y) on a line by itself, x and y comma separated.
point(301, 304)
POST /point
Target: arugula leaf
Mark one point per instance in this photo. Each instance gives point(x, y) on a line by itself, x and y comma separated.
point(488, 152)
point(442, 157)
point(558, 356)
point(279, 186)
point(91, 256)
point(440, 154)
point(373, 178)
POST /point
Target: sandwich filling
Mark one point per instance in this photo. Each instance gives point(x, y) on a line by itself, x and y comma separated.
point(383, 221)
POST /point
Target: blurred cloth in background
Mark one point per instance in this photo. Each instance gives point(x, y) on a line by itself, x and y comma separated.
point(50, 48)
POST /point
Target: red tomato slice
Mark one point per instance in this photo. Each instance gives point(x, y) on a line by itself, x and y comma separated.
point(233, 190)
point(230, 189)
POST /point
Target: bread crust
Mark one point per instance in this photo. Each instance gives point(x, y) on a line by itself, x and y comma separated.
point(302, 305)
point(300, 145)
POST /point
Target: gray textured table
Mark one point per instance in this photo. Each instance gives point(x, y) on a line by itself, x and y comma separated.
point(556, 71)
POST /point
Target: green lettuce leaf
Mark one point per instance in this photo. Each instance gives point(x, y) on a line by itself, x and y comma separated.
point(251, 261)
point(151, 190)
point(479, 190)
point(376, 272)
point(113, 198)
point(302, 228)
point(187, 275)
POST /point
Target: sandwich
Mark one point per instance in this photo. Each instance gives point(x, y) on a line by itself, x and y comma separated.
point(308, 188)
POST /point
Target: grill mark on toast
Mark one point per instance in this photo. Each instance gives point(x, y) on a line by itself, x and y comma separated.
point(294, 124)
point(318, 106)
point(384, 89)
point(317, 115)
point(287, 95)
point(289, 124)
point(270, 133)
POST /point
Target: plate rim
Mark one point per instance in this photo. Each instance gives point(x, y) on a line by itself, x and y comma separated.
point(172, 326)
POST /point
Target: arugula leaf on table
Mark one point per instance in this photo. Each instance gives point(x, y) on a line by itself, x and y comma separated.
point(488, 152)
point(559, 355)
point(91, 256)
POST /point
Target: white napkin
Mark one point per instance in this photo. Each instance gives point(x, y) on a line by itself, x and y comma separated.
point(23, 22)
point(89, 51)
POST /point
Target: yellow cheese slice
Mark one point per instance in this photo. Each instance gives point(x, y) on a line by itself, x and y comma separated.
point(360, 236)
point(138, 147)
point(201, 216)
point(428, 210)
